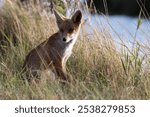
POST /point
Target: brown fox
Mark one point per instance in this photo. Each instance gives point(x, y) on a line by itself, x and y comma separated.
point(53, 53)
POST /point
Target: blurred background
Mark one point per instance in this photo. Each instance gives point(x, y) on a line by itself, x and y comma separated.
point(121, 7)
point(127, 20)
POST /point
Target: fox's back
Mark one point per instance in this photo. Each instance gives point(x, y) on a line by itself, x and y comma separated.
point(41, 54)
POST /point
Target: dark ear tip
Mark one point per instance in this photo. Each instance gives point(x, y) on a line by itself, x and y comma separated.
point(76, 18)
point(55, 12)
point(79, 12)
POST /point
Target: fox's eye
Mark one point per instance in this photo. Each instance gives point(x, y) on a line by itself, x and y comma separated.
point(70, 30)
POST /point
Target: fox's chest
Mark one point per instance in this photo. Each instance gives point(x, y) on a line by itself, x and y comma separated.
point(66, 53)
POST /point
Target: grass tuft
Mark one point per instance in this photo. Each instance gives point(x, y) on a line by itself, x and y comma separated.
point(99, 70)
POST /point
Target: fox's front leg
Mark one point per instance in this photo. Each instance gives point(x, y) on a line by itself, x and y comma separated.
point(61, 72)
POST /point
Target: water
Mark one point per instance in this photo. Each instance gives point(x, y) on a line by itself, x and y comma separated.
point(122, 28)
point(1, 3)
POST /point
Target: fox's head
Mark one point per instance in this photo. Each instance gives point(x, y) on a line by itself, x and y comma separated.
point(68, 27)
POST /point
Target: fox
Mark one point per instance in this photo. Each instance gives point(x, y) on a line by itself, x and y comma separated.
point(53, 53)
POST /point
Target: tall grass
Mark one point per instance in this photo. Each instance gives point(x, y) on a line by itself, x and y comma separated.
point(98, 69)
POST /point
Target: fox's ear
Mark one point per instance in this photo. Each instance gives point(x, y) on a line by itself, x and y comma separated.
point(76, 18)
point(59, 17)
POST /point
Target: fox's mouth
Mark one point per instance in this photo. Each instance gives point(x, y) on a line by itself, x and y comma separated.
point(70, 41)
point(66, 41)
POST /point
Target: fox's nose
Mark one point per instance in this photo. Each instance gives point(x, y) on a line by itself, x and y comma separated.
point(64, 39)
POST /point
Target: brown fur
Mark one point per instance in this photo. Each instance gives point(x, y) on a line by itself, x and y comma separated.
point(54, 52)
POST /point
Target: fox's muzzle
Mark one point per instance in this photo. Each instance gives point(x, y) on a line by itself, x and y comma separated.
point(64, 39)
